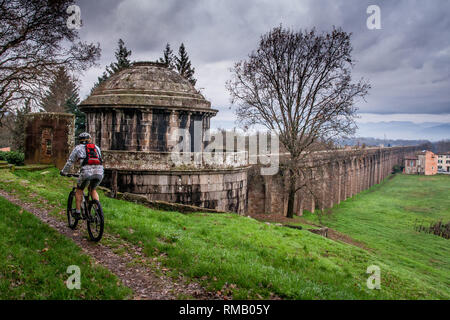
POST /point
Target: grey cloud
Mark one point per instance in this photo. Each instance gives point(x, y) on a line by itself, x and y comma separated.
point(407, 62)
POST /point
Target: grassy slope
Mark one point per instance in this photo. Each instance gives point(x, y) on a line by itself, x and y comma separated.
point(252, 258)
point(384, 217)
point(34, 259)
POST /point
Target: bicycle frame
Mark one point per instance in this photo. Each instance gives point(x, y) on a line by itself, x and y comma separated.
point(87, 199)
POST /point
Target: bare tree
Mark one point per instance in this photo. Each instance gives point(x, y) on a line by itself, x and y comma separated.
point(298, 85)
point(35, 41)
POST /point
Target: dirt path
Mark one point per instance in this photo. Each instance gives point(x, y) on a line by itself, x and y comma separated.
point(140, 277)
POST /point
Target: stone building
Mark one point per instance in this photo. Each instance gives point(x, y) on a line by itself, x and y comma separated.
point(145, 115)
point(49, 138)
point(443, 162)
point(423, 162)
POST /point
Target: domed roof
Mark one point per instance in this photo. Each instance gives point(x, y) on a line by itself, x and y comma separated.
point(147, 85)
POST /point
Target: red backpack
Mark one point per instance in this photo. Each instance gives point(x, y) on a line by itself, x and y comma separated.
point(92, 157)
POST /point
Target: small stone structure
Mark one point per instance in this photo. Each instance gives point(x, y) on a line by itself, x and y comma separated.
point(423, 162)
point(49, 138)
point(136, 117)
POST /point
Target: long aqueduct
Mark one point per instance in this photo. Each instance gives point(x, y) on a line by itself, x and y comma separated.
point(336, 180)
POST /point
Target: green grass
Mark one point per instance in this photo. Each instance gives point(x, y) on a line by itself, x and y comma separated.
point(34, 260)
point(247, 257)
point(384, 217)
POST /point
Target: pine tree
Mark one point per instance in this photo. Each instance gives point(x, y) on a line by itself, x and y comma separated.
point(80, 117)
point(62, 87)
point(183, 65)
point(122, 61)
point(168, 58)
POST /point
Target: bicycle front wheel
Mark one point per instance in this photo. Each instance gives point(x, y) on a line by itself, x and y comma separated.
point(71, 208)
point(95, 221)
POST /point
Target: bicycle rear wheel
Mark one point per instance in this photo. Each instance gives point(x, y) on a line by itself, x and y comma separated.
point(95, 221)
point(71, 207)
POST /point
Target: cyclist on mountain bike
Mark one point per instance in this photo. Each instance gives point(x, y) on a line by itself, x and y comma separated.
point(91, 172)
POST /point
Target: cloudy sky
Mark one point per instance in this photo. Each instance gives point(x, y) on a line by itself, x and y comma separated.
point(407, 61)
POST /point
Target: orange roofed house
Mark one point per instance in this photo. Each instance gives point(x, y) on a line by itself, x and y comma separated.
point(425, 162)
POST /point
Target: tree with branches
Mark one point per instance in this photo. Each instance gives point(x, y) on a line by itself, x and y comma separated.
point(17, 128)
point(34, 42)
point(183, 65)
point(298, 85)
point(62, 87)
point(80, 117)
point(63, 96)
point(122, 55)
point(168, 57)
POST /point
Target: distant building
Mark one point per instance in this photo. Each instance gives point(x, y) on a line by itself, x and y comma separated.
point(443, 162)
point(7, 149)
point(424, 162)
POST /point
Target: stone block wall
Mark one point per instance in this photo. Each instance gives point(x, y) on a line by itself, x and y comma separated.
point(224, 190)
point(144, 160)
point(334, 181)
point(145, 129)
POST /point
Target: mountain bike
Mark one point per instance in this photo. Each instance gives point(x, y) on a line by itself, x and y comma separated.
point(91, 211)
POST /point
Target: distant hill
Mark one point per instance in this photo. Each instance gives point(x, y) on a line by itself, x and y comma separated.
point(368, 141)
point(437, 146)
point(405, 130)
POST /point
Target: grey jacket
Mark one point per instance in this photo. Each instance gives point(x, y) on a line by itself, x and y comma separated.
point(78, 154)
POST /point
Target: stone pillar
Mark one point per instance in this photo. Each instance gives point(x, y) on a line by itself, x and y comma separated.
point(366, 172)
point(187, 136)
point(106, 136)
point(298, 206)
point(380, 168)
point(361, 173)
point(337, 182)
point(328, 181)
point(343, 194)
point(375, 168)
point(172, 131)
point(146, 128)
point(350, 179)
point(307, 200)
point(355, 174)
point(374, 164)
point(267, 196)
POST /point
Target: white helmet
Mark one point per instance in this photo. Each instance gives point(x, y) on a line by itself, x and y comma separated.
point(84, 137)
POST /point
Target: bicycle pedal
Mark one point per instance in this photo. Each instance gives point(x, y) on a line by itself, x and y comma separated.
point(75, 215)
